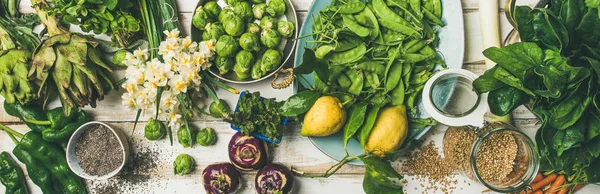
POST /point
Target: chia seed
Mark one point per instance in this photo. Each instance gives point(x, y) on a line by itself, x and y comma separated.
point(99, 151)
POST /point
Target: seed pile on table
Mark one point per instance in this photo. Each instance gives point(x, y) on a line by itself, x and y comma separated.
point(428, 165)
point(496, 157)
point(457, 147)
point(99, 151)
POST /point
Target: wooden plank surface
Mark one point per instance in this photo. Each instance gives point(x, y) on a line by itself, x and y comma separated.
point(152, 173)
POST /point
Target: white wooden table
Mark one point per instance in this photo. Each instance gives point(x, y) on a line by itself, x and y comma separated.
point(151, 168)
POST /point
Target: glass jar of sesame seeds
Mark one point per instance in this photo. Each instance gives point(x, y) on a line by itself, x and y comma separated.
point(496, 154)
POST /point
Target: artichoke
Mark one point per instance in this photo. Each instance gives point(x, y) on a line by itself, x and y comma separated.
point(14, 84)
point(72, 62)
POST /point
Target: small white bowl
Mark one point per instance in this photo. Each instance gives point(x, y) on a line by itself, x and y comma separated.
point(72, 158)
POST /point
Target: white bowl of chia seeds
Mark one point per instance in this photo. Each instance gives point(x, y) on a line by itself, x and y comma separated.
point(96, 151)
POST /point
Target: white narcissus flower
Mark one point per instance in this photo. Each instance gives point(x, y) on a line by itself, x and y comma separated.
point(172, 34)
point(175, 121)
point(188, 44)
point(169, 48)
point(178, 84)
point(135, 74)
point(141, 54)
point(128, 100)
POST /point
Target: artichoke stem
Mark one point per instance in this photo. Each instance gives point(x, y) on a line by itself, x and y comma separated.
point(50, 21)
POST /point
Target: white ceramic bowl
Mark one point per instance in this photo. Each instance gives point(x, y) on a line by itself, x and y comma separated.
point(72, 158)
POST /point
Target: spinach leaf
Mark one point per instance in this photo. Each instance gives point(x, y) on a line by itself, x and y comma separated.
point(487, 82)
point(587, 29)
point(569, 111)
point(505, 100)
point(517, 58)
point(593, 125)
point(593, 147)
point(571, 137)
point(540, 26)
point(380, 177)
point(594, 63)
point(571, 13)
point(509, 79)
point(593, 172)
point(299, 103)
point(310, 63)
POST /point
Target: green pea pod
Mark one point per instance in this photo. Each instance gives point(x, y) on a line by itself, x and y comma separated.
point(398, 94)
point(427, 5)
point(347, 43)
point(372, 79)
point(433, 18)
point(54, 159)
point(416, 6)
point(414, 45)
point(353, 25)
point(38, 174)
point(372, 66)
point(335, 72)
point(385, 13)
point(344, 81)
point(368, 14)
point(365, 129)
point(11, 175)
point(415, 58)
point(350, 8)
point(299, 103)
point(380, 99)
point(412, 98)
point(323, 50)
point(55, 135)
point(348, 56)
point(437, 8)
point(395, 26)
point(393, 38)
point(394, 76)
point(356, 112)
point(30, 112)
point(364, 21)
point(358, 81)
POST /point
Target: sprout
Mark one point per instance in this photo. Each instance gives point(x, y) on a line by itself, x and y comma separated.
point(286, 29)
point(119, 57)
point(227, 46)
point(183, 164)
point(245, 59)
point(233, 2)
point(219, 109)
point(244, 10)
point(270, 60)
point(274, 179)
point(253, 28)
point(257, 73)
point(206, 137)
point(258, 1)
point(259, 10)
point(234, 25)
point(200, 18)
point(154, 130)
point(247, 152)
point(250, 42)
point(221, 178)
point(277, 7)
point(212, 9)
point(240, 72)
point(224, 64)
point(213, 31)
point(267, 22)
point(186, 140)
point(225, 13)
point(270, 38)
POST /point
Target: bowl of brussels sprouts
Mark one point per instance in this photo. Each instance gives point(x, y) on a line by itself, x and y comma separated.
point(253, 39)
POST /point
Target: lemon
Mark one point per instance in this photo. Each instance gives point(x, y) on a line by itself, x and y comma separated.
point(324, 118)
point(389, 132)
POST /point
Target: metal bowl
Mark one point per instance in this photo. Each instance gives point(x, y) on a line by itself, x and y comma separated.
point(287, 47)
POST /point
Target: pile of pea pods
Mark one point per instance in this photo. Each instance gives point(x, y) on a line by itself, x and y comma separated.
point(380, 51)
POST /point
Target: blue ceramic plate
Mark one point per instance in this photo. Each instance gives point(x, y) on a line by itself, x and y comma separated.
point(452, 48)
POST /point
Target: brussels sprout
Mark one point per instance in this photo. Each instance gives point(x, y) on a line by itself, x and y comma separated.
point(253, 28)
point(277, 7)
point(258, 1)
point(259, 10)
point(250, 42)
point(119, 57)
point(225, 13)
point(219, 108)
point(213, 31)
point(227, 46)
point(268, 22)
point(186, 140)
point(233, 2)
point(286, 29)
point(257, 73)
point(154, 130)
point(206, 137)
point(212, 9)
point(183, 164)
point(241, 72)
point(234, 25)
point(270, 38)
point(200, 18)
point(244, 59)
point(270, 60)
point(224, 64)
point(244, 10)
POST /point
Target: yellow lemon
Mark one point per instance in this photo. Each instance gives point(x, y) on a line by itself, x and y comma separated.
point(389, 132)
point(324, 118)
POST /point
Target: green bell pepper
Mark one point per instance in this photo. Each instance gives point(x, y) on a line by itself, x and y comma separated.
point(29, 112)
point(55, 134)
point(56, 119)
point(11, 175)
point(38, 174)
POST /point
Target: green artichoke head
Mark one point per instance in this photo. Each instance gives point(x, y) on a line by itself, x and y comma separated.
point(154, 130)
point(183, 164)
point(79, 73)
point(15, 86)
point(206, 137)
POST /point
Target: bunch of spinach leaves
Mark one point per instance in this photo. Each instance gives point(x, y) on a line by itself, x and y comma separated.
point(116, 18)
point(554, 71)
point(255, 114)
